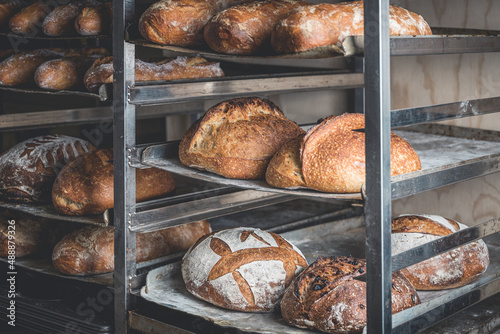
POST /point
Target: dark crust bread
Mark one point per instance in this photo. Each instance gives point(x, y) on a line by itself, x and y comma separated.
point(325, 296)
point(237, 138)
point(94, 20)
point(285, 169)
point(327, 24)
point(64, 73)
point(246, 29)
point(28, 169)
point(85, 186)
point(9, 8)
point(90, 250)
point(452, 269)
point(28, 21)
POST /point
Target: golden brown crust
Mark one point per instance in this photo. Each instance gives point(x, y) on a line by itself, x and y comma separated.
point(28, 21)
point(180, 22)
point(90, 250)
point(246, 29)
point(237, 138)
point(285, 169)
point(9, 8)
point(325, 296)
point(64, 73)
point(328, 24)
point(94, 20)
point(85, 186)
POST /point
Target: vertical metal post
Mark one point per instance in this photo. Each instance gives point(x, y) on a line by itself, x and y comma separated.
point(378, 188)
point(124, 175)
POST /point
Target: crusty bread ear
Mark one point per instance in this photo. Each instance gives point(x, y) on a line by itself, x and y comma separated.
point(285, 168)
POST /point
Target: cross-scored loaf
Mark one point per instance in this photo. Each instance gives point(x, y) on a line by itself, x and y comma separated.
point(326, 296)
point(244, 269)
point(237, 138)
point(452, 269)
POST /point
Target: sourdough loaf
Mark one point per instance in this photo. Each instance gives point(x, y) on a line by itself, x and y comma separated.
point(246, 29)
point(180, 22)
point(9, 7)
point(61, 20)
point(94, 20)
point(452, 269)
point(243, 269)
point(332, 157)
point(28, 21)
point(28, 169)
point(237, 138)
point(101, 71)
point(63, 73)
point(90, 250)
point(328, 24)
point(326, 296)
point(85, 186)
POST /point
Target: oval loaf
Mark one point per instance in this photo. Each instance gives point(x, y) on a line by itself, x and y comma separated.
point(244, 269)
point(452, 269)
point(329, 24)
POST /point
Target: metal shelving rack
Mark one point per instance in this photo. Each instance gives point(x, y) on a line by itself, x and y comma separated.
point(379, 191)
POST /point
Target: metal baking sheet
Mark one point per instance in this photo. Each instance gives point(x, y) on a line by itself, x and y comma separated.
point(435, 152)
point(164, 286)
point(103, 94)
point(12, 35)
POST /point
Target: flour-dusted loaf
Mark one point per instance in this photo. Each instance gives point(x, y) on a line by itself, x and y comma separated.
point(326, 296)
point(85, 186)
point(332, 157)
point(329, 24)
point(90, 250)
point(101, 71)
point(237, 138)
point(246, 29)
point(61, 20)
point(180, 22)
point(9, 8)
point(28, 169)
point(452, 269)
point(28, 21)
point(63, 73)
point(243, 269)
point(95, 20)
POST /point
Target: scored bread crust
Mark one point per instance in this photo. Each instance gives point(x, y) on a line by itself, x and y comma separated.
point(285, 169)
point(452, 269)
point(243, 269)
point(325, 296)
point(237, 138)
point(85, 186)
point(328, 24)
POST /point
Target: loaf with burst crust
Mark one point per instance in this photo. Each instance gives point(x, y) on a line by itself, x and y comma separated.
point(237, 138)
point(452, 269)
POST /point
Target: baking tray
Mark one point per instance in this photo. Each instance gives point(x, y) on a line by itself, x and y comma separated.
point(12, 35)
point(436, 152)
point(165, 287)
point(103, 94)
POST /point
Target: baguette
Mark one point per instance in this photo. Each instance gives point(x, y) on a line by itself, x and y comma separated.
point(28, 21)
point(237, 138)
point(180, 22)
point(85, 186)
point(94, 20)
point(328, 24)
point(9, 7)
point(61, 21)
point(101, 72)
point(90, 250)
point(64, 73)
point(246, 29)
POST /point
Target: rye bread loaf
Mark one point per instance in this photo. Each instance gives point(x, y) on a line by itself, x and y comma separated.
point(101, 71)
point(328, 24)
point(237, 138)
point(85, 186)
point(452, 269)
point(332, 157)
point(9, 7)
point(28, 169)
point(243, 269)
point(94, 20)
point(28, 21)
point(90, 250)
point(327, 297)
point(180, 22)
point(246, 29)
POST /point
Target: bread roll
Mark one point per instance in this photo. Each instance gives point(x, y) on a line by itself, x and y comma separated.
point(90, 250)
point(63, 73)
point(9, 7)
point(61, 21)
point(101, 71)
point(243, 269)
point(28, 22)
point(237, 138)
point(95, 20)
point(332, 157)
point(180, 22)
point(19, 69)
point(326, 296)
point(246, 29)
point(328, 24)
point(28, 169)
point(452, 269)
point(85, 186)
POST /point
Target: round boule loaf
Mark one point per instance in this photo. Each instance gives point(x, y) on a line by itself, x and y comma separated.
point(244, 269)
point(452, 269)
